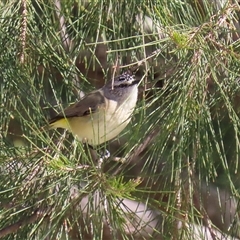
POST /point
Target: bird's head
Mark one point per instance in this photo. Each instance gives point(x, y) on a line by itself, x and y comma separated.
point(124, 80)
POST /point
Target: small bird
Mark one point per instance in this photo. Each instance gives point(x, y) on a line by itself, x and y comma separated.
point(102, 114)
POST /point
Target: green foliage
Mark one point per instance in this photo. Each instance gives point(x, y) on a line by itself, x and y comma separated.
point(184, 134)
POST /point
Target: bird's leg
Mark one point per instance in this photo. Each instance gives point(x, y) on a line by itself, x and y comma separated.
point(101, 156)
point(105, 154)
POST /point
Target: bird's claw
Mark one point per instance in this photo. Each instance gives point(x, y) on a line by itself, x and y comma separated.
point(103, 155)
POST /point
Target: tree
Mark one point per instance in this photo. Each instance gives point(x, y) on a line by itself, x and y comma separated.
point(172, 171)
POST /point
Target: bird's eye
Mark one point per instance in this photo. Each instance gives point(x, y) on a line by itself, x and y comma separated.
point(125, 77)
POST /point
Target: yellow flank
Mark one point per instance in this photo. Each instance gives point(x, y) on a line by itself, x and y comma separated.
point(61, 123)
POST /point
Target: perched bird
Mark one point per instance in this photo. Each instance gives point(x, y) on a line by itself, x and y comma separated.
point(102, 114)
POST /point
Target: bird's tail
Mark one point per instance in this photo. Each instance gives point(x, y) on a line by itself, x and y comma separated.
point(58, 123)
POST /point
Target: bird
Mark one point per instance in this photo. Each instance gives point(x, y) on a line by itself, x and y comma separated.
point(101, 114)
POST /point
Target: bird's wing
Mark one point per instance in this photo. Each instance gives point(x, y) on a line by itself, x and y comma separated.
point(86, 106)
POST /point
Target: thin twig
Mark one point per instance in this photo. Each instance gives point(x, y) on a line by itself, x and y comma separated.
point(79, 167)
point(146, 65)
point(67, 43)
point(63, 30)
point(23, 29)
point(139, 63)
point(115, 68)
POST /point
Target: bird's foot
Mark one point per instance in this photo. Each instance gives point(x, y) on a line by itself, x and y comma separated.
point(103, 156)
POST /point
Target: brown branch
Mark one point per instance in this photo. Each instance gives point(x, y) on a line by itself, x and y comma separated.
point(67, 43)
point(144, 60)
point(37, 214)
point(206, 219)
point(146, 142)
point(115, 69)
point(63, 30)
point(23, 29)
point(138, 150)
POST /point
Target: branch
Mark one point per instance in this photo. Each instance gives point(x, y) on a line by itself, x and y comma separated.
point(144, 60)
point(23, 29)
point(67, 43)
point(63, 30)
point(37, 214)
point(146, 142)
point(139, 149)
